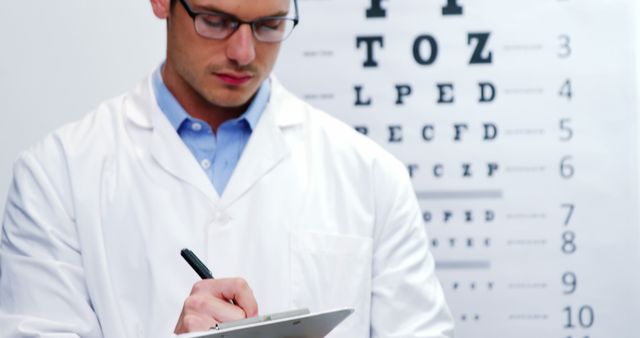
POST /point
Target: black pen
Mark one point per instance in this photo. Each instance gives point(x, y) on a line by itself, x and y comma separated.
point(196, 264)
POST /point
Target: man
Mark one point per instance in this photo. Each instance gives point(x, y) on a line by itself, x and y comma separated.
point(213, 154)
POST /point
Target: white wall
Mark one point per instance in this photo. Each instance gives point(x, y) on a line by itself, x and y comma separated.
point(59, 59)
point(636, 43)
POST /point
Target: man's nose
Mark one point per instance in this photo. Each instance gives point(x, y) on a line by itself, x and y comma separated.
point(241, 45)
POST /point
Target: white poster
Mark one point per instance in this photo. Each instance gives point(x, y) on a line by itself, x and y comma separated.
point(516, 120)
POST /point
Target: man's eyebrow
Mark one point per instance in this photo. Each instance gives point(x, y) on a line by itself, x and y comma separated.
point(281, 13)
point(209, 8)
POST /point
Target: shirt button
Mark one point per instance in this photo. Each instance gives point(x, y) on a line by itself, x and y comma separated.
point(220, 218)
point(205, 164)
point(196, 126)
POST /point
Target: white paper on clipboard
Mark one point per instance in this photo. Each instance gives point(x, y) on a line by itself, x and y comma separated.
point(314, 325)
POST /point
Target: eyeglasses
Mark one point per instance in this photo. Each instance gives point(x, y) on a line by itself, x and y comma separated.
point(219, 26)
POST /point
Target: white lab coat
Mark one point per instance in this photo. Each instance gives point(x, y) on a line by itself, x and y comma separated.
point(315, 215)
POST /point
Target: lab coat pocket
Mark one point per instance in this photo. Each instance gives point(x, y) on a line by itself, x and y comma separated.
point(331, 271)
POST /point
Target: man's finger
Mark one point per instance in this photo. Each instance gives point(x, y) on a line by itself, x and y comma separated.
point(211, 307)
point(225, 311)
point(194, 323)
point(232, 289)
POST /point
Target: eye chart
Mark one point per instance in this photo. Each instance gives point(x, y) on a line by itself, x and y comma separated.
point(517, 122)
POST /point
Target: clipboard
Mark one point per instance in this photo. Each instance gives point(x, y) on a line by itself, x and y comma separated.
point(310, 325)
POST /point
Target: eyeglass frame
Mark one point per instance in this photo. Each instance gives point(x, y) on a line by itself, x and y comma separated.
point(193, 14)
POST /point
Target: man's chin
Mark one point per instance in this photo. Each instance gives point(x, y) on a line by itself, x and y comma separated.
point(231, 98)
point(230, 102)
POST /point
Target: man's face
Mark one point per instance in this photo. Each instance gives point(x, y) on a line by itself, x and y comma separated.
point(226, 73)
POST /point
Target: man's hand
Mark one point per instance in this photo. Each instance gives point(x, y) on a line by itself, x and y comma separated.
point(209, 304)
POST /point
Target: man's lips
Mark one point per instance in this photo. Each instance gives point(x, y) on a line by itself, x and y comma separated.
point(234, 79)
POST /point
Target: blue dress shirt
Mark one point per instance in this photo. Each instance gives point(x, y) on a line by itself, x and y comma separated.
point(218, 154)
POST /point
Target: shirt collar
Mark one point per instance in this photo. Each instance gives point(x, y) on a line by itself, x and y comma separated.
point(177, 115)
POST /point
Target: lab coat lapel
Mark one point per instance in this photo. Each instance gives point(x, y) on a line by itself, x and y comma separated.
point(174, 156)
point(265, 149)
point(169, 150)
point(268, 146)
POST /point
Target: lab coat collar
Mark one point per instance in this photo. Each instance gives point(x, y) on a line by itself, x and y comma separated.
point(170, 152)
point(142, 105)
point(266, 147)
point(290, 110)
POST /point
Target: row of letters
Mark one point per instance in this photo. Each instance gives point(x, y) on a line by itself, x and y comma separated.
point(425, 49)
point(377, 11)
point(466, 216)
point(446, 94)
point(396, 133)
point(464, 170)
